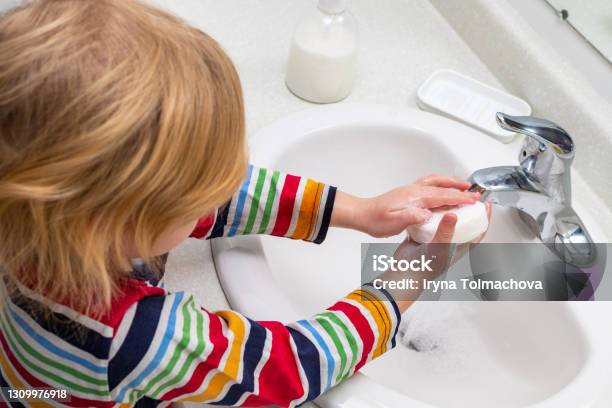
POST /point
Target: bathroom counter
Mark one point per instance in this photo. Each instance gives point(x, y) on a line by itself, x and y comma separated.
point(401, 43)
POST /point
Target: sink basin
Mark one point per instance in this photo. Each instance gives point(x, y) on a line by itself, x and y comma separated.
point(502, 354)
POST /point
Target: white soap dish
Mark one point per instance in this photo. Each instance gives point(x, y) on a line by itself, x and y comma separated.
point(472, 102)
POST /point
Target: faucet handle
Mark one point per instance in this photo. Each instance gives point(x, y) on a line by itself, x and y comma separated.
point(544, 131)
point(546, 155)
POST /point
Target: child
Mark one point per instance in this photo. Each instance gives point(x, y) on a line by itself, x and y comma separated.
point(121, 134)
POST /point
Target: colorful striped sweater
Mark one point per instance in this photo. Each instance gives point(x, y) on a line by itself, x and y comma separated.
point(155, 347)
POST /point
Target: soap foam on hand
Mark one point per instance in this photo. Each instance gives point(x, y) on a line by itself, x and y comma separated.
point(472, 221)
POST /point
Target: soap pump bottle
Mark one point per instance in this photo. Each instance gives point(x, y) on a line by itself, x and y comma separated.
point(323, 54)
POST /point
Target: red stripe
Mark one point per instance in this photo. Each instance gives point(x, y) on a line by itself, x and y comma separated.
point(285, 205)
point(34, 382)
point(132, 291)
point(361, 325)
point(203, 226)
point(279, 380)
point(254, 401)
point(220, 345)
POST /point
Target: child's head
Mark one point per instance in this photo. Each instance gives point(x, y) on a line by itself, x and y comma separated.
point(117, 122)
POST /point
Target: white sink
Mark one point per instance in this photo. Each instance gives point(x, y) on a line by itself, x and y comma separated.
point(504, 354)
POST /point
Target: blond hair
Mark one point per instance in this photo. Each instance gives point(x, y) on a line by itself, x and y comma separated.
point(116, 119)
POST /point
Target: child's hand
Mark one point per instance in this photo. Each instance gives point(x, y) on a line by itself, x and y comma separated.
point(390, 213)
point(441, 253)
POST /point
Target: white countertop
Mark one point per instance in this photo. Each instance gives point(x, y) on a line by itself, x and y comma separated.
point(401, 43)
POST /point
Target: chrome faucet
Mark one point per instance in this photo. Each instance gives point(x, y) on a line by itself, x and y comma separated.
point(540, 188)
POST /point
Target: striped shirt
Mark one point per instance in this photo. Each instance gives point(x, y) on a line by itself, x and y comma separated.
point(155, 347)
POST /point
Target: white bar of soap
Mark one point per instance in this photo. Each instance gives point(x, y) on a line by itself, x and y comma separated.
point(472, 221)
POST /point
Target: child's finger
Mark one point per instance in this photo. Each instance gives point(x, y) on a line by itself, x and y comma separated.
point(435, 197)
point(437, 180)
point(414, 216)
point(446, 229)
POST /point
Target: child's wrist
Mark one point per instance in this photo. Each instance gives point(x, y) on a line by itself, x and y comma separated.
point(349, 211)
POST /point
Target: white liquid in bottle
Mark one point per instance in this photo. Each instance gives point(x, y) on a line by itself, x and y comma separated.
point(322, 59)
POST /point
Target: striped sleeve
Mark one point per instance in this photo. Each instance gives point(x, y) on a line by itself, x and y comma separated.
point(273, 203)
point(57, 348)
point(173, 350)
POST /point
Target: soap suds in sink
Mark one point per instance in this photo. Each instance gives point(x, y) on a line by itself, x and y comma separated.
point(422, 343)
point(435, 329)
point(449, 352)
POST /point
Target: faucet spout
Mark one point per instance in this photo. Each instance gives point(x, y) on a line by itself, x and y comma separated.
point(509, 186)
point(494, 181)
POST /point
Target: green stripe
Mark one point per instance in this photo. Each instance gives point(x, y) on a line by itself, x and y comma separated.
point(255, 201)
point(182, 345)
point(46, 360)
point(332, 333)
point(195, 353)
point(349, 336)
point(269, 203)
point(47, 374)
